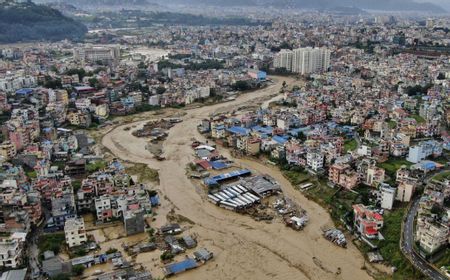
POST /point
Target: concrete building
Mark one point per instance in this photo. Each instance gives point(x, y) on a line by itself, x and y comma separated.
point(405, 191)
point(97, 53)
point(366, 221)
point(424, 150)
point(314, 161)
point(310, 60)
point(387, 196)
point(75, 232)
point(431, 236)
point(10, 252)
point(283, 59)
point(103, 208)
point(134, 222)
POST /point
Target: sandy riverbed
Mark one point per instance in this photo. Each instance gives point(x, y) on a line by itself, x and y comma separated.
point(244, 248)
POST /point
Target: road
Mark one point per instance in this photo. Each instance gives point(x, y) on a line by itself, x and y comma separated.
point(408, 246)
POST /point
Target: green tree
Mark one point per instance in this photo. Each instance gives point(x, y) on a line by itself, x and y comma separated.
point(78, 269)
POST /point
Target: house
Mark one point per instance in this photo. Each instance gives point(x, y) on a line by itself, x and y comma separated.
point(405, 190)
point(431, 235)
point(314, 161)
point(103, 208)
point(423, 150)
point(11, 250)
point(367, 222)
point(134, 221)
point(342, 175)
point(75, 232)
point(17, 274)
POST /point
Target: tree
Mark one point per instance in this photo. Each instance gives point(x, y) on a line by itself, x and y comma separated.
point(441, 76)
point(160, 90)
point(78, 269)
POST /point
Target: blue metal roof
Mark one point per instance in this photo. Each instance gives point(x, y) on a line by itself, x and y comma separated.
point(225, 176)
point(24, 91)
point(280, 139)
point(218, 164)
point(263, 129)
point(238, 130)
point(179, 267)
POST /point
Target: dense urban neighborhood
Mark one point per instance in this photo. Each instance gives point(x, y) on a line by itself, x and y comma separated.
point(296, 145)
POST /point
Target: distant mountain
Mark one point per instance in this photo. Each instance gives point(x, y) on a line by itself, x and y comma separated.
point(383, 5)
point(26, 21)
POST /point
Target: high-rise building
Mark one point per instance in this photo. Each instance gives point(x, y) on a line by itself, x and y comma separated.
point(303, 60)
point(283, 60)
point(310, 60)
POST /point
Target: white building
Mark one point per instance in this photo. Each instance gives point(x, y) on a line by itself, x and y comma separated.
point(314, 161)
point(424, 150)
point(387, 196)
point(10, 252)
point(103, 208)
point(310, 60)
point(75, 232)
point(97, 53)
point(431, 236)
point(283, 59)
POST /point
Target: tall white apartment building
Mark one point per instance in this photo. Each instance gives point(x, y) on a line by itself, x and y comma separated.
point(303, 60)
point(310, 60)
point(283, 59)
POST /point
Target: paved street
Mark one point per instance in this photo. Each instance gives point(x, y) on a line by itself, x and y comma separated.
point(408, 243)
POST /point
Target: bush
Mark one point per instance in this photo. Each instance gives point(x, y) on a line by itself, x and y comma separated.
point(51, 242)
point(111, 251)
point(78, 270)
point(166, 256)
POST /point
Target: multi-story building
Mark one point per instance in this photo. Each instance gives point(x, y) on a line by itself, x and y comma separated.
point(310, 60)
point(314, 161)
point(75, 232)
point(387, 196)
point(134, 221)
point(405, 190)
point(11, 250)
point(97, 53)
point(367, 221)
point(431, 235)
point(103, 208)
point(424, 150)
point(283, 59)
point(303, 60)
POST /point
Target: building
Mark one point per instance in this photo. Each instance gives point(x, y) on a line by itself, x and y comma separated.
point(103, 208)
point(387, 196)
point(342, 175)
point(310, 60)
point(134, 222)
point(75, 232)
point(11, 250)
point(97, 53)
point(405, 190)
point(367, 222)
point(431, 235)
point(314, 161)
point(423, 150)
point(283, 59)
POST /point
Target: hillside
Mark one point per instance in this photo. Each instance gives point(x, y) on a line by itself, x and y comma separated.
point(22, 22)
